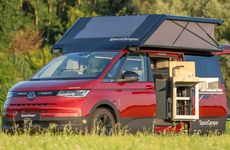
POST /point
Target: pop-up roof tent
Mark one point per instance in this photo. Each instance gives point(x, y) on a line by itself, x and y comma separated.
point(153, 31)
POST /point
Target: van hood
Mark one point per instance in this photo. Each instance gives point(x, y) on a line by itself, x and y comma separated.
point(48, 85)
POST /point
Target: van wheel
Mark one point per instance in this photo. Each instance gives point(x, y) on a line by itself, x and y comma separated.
point(102, 122)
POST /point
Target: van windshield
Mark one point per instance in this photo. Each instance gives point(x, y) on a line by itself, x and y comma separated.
point(79, 65)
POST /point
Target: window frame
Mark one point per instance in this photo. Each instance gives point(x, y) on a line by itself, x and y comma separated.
point(123, 60)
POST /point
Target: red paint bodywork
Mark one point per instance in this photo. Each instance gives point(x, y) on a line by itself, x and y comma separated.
point(137, 99)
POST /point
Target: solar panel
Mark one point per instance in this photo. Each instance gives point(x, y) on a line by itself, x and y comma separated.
point(106, 27)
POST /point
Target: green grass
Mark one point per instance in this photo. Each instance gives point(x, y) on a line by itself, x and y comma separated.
point(139, 141)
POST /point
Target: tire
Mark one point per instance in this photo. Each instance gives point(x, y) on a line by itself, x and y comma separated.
point(102, 122)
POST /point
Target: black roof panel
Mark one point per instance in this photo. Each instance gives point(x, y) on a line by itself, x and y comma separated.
point(116, 32)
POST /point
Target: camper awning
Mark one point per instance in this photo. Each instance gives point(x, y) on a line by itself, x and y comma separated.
point(153, 31)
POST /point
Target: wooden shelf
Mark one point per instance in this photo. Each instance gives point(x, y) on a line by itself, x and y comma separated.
point(183, 98)
point(192, 84)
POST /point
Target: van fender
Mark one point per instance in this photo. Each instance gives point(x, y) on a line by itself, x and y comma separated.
point(109, 104)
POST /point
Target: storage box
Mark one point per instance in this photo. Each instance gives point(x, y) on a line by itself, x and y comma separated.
point(182, 69)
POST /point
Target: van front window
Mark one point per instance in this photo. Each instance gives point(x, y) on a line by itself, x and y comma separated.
point(79, 65)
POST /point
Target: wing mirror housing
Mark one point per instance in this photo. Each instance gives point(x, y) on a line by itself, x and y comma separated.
point(129, 76)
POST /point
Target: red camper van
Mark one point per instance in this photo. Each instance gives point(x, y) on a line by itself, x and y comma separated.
point(146, 72)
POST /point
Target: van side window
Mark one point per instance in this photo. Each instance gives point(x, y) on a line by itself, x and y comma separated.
point(135, 62)
point(112, 73)
point(206, 66)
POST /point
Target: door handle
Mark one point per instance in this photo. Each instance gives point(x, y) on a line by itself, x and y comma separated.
point(149, 87)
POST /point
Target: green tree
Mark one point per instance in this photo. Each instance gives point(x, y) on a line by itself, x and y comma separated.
point(10, 21)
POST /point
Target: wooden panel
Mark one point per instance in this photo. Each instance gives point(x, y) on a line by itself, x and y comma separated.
point(182, 68)
point(161, 64)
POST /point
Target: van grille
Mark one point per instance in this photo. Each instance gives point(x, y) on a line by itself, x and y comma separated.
point(34, 104)
point(37, 93)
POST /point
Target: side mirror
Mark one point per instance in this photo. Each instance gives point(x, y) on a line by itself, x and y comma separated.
point(129, 76)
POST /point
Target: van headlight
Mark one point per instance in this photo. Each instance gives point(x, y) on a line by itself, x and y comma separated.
point(10, 94)
point(73, 93)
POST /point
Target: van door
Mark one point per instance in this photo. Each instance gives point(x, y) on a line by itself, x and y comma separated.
point(137, 99)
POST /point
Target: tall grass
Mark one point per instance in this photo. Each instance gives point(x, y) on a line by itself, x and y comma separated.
point(140, 141)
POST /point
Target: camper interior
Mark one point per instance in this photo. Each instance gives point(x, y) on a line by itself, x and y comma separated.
point(176, 86)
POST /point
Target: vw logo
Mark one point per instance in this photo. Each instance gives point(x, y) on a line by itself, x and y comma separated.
point(31, 95)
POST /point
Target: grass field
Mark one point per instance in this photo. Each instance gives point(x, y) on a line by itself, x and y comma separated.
point(138, 142)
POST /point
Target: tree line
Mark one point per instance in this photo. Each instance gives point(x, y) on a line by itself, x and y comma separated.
point(28, 28)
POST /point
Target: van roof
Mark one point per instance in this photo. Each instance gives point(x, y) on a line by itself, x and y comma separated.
point(154, 31)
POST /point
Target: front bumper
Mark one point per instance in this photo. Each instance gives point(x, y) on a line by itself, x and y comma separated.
point(75, 124)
